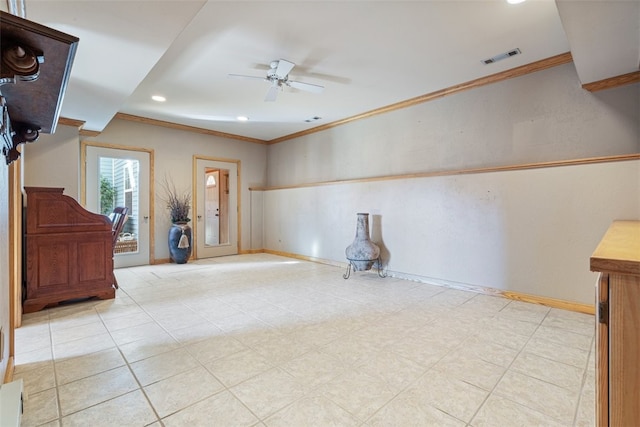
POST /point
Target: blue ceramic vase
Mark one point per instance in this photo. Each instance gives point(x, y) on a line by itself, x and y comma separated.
point(180, 242)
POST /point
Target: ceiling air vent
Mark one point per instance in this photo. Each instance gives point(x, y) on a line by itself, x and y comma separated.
point(501, 56)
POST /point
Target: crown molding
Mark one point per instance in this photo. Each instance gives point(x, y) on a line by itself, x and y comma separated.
point(612, 82)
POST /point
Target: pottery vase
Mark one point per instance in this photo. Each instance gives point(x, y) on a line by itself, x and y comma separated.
point(180, 242)
point(362, 253)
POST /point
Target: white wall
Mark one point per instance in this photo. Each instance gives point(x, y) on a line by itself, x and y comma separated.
point(530, 231)
point(54, 161)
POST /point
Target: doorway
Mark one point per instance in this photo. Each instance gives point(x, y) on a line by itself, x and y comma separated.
point(216, 207)
point(120, 177)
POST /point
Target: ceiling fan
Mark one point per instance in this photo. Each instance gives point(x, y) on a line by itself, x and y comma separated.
point(278, 76)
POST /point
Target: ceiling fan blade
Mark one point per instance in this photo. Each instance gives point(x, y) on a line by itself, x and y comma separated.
point(305, 86)
point(272, 93)
point(240, 76)
point(284, 68)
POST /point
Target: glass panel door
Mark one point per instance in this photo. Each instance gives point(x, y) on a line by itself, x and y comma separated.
point(216, 209)
point(121, 178)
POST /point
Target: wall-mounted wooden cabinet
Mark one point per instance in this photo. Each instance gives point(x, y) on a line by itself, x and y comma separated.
point(617, 258)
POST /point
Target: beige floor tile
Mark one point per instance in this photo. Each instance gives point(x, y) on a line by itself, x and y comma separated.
point(39, 340)
point(583, 324)
point(369, 351)
point(138, 332)
point(312, 411)
point(40, 408)
point(360, 393)
point(175, 393)
point(194, 333)
point(518, 310)
point(560, 374)
point(487, 350)
point(176, 321)
point(126, 320)
point(586, 414)
point(238, 367)
point(240, 323)
point(222, 410)
point(314, 368)
point(457, 398)
point(503, 337)
point(120, 307)
point(424, 351)
point(39, 379)
point(208, 350)
point(92, 390)
point(59, 336)
point(26, 361)
point(68, 370)
point(131, 409)
point(147, 347)
point(558, 352)
point(564, 337)
point(72, 315)
point(407, 410)
point(281, 349)
point(551, 400)
point(349, 350)
point(269, 392)
point(162, 366)
point(470, 369)
point(395, 370)
point(260, 336)
point(500, 411)
point(54, 423)
point(83, 346)
point(316, 334)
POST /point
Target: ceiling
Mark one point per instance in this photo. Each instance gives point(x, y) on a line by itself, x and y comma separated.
point(366, 54)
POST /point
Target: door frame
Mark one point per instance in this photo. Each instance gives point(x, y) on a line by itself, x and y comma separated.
point(194, 186)
point(152, 192)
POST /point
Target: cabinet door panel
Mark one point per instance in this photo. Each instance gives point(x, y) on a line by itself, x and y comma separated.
point(624, 351)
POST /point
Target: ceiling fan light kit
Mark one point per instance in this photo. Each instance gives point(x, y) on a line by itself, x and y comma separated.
point(278, 76)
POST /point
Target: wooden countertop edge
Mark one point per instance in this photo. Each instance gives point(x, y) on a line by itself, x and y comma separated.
point(619, 250)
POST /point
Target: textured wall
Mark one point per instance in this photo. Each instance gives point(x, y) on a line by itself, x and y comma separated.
point(539, 117)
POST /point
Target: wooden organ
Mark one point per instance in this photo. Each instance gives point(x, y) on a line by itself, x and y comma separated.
point(68, 250)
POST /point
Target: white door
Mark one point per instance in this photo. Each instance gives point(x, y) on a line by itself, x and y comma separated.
point(216, 208)
point(116, 177)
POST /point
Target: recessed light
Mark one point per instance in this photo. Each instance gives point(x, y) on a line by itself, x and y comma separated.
point(242, 118)
point(158, 98)
point(515, 1)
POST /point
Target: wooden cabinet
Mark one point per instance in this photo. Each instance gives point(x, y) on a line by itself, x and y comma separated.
point(617, 258)
point(68, 250)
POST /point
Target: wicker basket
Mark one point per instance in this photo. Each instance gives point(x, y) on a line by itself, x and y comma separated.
point(125, 246)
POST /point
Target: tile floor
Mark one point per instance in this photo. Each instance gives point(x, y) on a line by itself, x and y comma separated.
point(261, 340)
